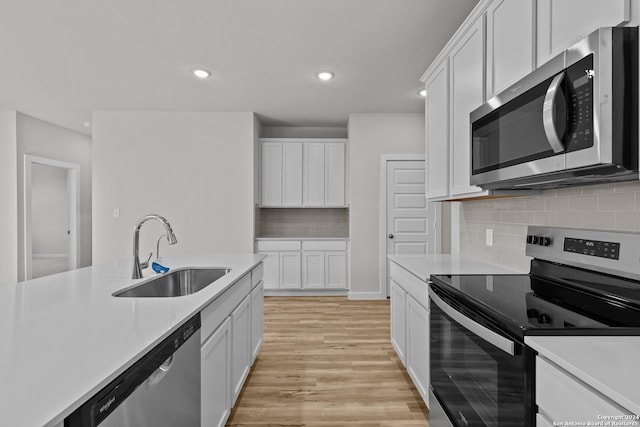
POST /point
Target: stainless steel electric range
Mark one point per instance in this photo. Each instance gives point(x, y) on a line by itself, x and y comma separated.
point(581, 282)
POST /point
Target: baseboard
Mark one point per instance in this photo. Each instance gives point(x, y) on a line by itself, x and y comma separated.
point(305, 292)
point(50, 256)
point(366, 295)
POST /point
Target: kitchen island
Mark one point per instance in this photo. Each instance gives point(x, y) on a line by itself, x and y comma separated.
point(65, 336)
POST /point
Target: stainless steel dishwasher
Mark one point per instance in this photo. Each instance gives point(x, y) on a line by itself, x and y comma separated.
point(161, 389)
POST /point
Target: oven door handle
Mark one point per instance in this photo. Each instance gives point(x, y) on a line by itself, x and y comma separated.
point(549, 114)
point(486, 334)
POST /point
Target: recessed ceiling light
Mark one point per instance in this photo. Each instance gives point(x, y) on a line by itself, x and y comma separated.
point(325, 75)
point(422, 92)
point(201, 73)
point(87, 124)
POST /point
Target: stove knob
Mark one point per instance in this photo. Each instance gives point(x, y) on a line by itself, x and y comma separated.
point(545, 241)
point(532, 313)
point(530, 239)
point(544, 319)
point(536, 240)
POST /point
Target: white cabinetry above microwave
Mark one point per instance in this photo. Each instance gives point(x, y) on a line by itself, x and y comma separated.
point(500, 42)
point(303, 173)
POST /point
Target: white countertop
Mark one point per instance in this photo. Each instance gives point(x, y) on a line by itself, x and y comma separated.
point(64, 337)
point(609, 364)
point(302, 238)
point(423, 266)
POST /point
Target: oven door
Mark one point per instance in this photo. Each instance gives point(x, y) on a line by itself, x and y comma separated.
point(479, 376)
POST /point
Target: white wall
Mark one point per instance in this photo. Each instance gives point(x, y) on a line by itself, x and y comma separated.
point(9, 197)
point(370, 136)
point(43, 139)
point(303, 132)
point(194, 168)
point(49, 210)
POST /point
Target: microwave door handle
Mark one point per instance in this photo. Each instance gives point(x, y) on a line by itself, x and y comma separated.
point(477, 329)
point(549, 114)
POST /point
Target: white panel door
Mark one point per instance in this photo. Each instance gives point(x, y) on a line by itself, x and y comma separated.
point(335, 269)
point(406, 209)
point(398, 320)
point(271, 270)
point(241, 346)
point(314, 170)
point(510, 43)
point(313, 269)
point(271, 165)
point(467, 94)
point(334, 174)
point(290, 270)
point(437, 132)
point(561, 23)
point(215, 364)
point(292, 174)
point(417, 356)
point(257, 320)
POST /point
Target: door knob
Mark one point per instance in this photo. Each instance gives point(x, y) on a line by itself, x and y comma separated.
point(391, 236)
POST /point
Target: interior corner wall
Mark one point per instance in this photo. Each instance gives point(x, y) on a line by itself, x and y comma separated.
point(9, 196)
point(194, 168)
point(370, 136)
point(43, 139)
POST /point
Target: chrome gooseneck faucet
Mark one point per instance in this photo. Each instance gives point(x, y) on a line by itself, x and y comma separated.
point(137, 269)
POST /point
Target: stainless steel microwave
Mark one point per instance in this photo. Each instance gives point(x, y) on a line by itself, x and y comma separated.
point(574, 120)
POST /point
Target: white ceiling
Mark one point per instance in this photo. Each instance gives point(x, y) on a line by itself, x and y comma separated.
point(62, 59)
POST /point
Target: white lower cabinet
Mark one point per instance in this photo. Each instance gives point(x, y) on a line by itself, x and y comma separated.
point(398, 320)
point(410, 326)
point(257, 320)
point(240, 345)
point(215, 365)
point(304, 264)
point(417, 357)
point(231, 336)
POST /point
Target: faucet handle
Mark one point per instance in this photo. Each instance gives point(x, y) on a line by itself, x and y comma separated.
point(145, 264)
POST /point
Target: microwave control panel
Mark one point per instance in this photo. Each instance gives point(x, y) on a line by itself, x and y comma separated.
point(610, 250)
point(579, 96)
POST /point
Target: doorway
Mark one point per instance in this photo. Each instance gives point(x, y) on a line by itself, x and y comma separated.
point(407, 223)
point(51, 203)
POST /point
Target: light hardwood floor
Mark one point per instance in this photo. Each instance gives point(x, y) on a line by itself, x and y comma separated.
point(327, 361)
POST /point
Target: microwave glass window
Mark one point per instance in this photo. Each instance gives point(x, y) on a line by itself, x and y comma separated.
point(513, 133)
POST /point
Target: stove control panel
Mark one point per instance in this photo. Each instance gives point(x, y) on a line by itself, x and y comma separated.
point(610, 250)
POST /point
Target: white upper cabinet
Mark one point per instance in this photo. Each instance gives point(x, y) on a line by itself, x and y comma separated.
point(303, 173)
point(437, 132)
point(510, 43)
point(561, 23)
point(466, 69)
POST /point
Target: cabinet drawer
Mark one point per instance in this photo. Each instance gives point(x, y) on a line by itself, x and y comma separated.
point(278, 245)
point(324, 245)
point(563, 397)
point(415, 287)
point(256, 274)
point(220, 308)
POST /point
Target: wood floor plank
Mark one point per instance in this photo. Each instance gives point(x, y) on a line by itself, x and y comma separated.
point(327, 361)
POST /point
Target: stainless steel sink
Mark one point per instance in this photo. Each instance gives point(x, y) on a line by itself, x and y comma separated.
point(176, 283)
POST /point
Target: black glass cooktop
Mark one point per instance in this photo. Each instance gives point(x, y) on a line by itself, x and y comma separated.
point(553, 299)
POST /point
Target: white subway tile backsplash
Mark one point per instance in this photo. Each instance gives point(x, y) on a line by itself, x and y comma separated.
point(606, 206)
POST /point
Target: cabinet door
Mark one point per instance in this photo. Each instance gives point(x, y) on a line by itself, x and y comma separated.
point(314, 169)
point(418, 346)
point(240, 346)
point(215, 365)
point(509, 43)
point(257, 320)
point(336, 269)
point(437, 132)
point(292, 174)
point(334, 174)
point(290, 270)
point(467, 94)
point(271, 270)
point(271, 165)
point(398, 320)
point(313, 269)
point(561, 23)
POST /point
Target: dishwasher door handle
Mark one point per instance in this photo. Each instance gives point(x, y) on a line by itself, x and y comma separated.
point(159, 373)
point(475, 328)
